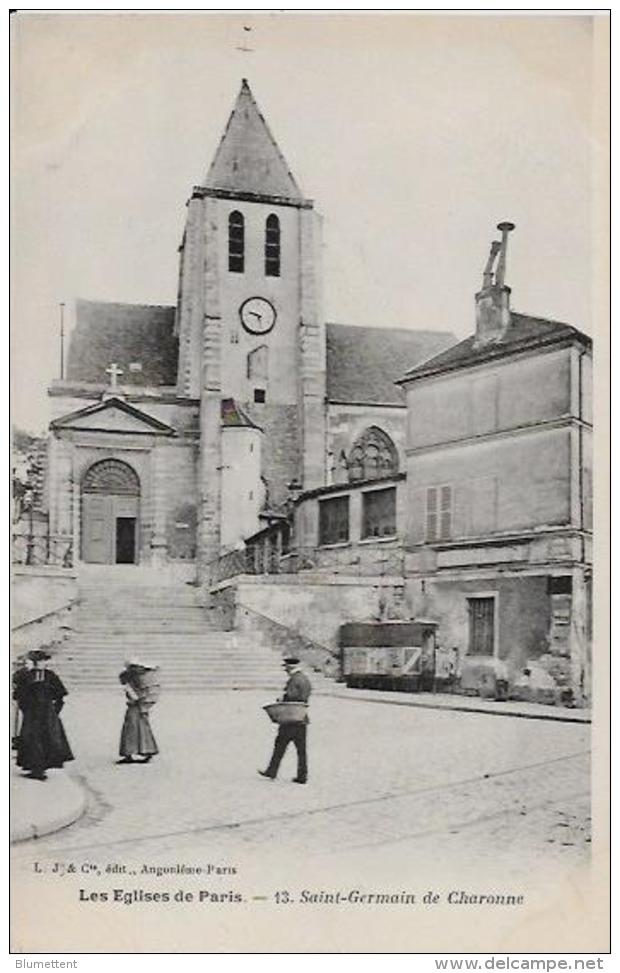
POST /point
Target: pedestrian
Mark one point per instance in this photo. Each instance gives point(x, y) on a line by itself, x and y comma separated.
point(41, 742)
point(141, 692)
point(297, 690)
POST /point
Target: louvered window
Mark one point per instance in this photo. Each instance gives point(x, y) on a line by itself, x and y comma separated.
point(236, 242)
point(272, 246)
point(438, 513)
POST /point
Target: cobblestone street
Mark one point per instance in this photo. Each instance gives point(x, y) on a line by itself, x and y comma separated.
point(400, 799)
point(443, 784)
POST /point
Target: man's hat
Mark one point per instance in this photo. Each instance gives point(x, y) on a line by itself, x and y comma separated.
point(291, 660)
point(38, 655)
point(138, 663)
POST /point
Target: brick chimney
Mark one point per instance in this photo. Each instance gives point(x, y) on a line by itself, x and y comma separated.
point(493, 300)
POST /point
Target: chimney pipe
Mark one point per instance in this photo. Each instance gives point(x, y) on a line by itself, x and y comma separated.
point(500, 273)
point(487, 276)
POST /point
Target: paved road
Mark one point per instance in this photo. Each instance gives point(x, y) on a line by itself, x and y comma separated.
point(384, 781)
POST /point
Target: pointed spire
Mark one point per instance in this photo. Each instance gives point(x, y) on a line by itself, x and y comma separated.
point(248, 159)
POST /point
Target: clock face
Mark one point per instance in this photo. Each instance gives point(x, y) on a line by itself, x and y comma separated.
point(258, 315)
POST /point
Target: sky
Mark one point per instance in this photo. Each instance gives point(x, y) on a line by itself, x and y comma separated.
point(414, 134)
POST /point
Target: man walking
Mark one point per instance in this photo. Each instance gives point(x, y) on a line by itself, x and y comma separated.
point(297, 690)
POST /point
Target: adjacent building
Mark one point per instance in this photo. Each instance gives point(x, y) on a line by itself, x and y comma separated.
point(498, 536)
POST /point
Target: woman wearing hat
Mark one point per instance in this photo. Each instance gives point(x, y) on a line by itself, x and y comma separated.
point(41, 742)
point(141, 692)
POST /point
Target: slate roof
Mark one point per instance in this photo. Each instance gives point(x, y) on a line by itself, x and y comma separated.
point(363, 363)
point(248, 159)
point(525, 331)
point(123, 333)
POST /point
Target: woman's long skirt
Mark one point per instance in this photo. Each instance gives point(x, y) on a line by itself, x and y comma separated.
point(136, 736)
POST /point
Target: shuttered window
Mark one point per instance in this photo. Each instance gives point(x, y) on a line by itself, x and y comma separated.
point(334, 520)
point(445, 512)
point(236, 242)
point(438, 513)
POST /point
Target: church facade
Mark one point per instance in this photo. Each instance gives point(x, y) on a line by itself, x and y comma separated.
point(179, 432)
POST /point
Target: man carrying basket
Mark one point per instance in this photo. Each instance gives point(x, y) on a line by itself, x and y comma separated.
point(297, 690)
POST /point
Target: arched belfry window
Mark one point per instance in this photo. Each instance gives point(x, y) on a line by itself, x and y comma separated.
point(272, 246)
point(236, 242)
point(372, 456)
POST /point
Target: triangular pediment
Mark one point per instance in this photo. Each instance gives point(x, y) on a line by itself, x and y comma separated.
point(113, 415)
point(248, 159)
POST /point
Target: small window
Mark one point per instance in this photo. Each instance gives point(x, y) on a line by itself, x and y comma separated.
point(560, 586)
point(438, 513)
point(334, 520)
point(259, 395)
point(236, 242)
point(272, 246)
point(379, 513)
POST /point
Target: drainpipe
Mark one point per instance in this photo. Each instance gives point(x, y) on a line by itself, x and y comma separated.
point(580, 447)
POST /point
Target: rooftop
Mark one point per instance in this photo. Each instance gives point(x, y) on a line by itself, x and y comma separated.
point(138, 337)
point(248, 159)
point(364, 363)
point(525, 331)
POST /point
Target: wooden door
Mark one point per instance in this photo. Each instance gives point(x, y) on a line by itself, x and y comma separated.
point(481, 626)
point(97, 529)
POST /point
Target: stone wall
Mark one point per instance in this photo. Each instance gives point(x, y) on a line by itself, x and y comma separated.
point(522, 612)
point(474, 402)
point(287, 641)
point(313, 607)
point(37, 592)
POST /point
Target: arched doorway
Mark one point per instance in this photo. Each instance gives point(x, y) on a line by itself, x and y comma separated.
point(110, 513)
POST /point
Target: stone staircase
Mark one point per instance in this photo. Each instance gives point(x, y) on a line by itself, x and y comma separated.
point(166, 625)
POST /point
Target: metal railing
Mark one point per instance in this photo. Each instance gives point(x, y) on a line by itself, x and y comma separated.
point(42, 549)
point(364, 560)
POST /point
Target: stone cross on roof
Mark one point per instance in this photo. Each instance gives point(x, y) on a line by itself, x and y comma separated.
point(114, 371)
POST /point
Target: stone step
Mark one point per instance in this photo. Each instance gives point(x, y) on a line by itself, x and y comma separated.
point(144, 624)
point(168, 665)
point(196, 688)
point(195, 638)
point(144, 592)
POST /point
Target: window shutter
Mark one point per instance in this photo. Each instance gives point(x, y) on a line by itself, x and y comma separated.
point(445, 528)
point(431, 513)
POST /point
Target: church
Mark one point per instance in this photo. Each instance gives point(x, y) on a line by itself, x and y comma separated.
point(179, 432)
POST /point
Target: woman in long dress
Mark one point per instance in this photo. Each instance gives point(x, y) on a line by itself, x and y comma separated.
point(141, 691)
point(41, 742)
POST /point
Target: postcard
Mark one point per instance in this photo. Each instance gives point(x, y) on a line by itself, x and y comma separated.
point(309, 652)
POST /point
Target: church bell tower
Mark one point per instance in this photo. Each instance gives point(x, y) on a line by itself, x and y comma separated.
point(249, 317)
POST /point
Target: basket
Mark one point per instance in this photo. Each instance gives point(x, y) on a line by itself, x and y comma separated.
point(148, 686)
point(287, 712)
